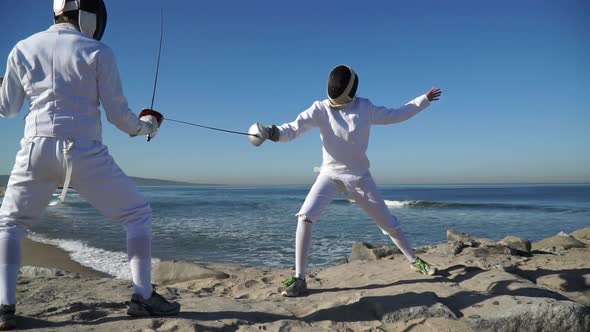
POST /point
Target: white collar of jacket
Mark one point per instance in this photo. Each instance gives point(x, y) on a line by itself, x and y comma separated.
point(328, 103)
point(63, 26)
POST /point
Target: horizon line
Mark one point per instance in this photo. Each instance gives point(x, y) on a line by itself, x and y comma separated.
point(192, 182)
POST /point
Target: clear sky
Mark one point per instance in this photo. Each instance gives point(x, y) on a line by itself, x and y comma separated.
point(514, 75)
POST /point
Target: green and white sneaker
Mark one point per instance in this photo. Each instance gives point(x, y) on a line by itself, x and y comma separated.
point(7, 317)
point(295, 287)
point(421, 266)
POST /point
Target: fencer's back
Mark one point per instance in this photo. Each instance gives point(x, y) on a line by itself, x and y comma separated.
point(58, 69)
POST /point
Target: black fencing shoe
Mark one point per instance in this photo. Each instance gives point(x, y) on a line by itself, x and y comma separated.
point(7, 317)
point(156, 305)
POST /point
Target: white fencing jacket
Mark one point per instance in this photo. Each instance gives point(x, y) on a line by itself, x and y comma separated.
point(345, 131)
point(65, 75)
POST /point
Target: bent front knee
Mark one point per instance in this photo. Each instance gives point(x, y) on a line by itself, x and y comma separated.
point(304, 218)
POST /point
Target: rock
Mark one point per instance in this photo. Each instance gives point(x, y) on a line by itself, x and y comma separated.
point(571, 284)
point(468, 240)
point(543, 316)
point(454, 236)
point(366, 251)
point(561, 241)
point(178, 325)
point(428, 325)
point(581, 234)
point(516, 243)
point(423, 250)
point(488, 251)
point(488, 257)
point(456, 247)
point(500, 301)
point(404, 307)
point(89, 315)
point(169, 272)
point(341, 261)
point(386, 308)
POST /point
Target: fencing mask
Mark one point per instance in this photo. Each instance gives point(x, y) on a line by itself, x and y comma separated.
point(342, 85)
point(92, 15)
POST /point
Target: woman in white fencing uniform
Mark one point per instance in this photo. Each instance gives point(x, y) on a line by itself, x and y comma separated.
point(344, 121)
point(65, 73)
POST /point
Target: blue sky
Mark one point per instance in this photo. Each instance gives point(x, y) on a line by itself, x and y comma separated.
point(514, 76)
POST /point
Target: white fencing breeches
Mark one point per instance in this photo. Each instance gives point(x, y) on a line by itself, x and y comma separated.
point(363, 191)
point(39, 168)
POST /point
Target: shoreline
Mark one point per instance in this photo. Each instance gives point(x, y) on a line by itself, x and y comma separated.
point(45, 255)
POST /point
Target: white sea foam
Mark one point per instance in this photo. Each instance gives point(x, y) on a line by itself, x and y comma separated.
point(111, 262)
point(398, 204)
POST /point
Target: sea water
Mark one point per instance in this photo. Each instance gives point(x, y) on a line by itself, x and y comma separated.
point(255, 225)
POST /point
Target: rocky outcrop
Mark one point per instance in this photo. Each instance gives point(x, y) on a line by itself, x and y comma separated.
point(506, 302)
point(366, 251)
point(176, 271)
point(410, 306)
point(582, 235)
point(467, 240)
point(458, 241)
point(558, 243)
point(516, 243)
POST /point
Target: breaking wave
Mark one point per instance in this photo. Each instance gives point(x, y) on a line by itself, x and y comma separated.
point(393, 204)
point(110, 262)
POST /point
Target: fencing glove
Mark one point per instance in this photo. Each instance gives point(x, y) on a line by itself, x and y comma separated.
point(259, 134)
point(150, 121)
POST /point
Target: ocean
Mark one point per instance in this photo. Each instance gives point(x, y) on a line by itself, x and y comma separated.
point(255, 225)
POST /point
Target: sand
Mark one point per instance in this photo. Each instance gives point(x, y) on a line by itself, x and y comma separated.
point(482, 288)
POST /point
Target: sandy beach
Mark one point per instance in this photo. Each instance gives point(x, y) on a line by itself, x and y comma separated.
point(482, 286)
point(49, 256)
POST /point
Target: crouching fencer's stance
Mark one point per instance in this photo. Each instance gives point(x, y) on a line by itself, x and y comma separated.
point(64, 72)
point(344, 121)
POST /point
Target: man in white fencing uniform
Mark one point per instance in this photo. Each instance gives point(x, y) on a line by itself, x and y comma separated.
point(65, 73)
point(344, 121)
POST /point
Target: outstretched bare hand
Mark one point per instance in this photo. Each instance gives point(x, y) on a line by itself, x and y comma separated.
point(433, 94)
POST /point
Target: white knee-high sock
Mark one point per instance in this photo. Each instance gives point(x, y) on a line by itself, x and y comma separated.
point(10, 258)
point(302, 244)
point(400, 240)
point(139, 252)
